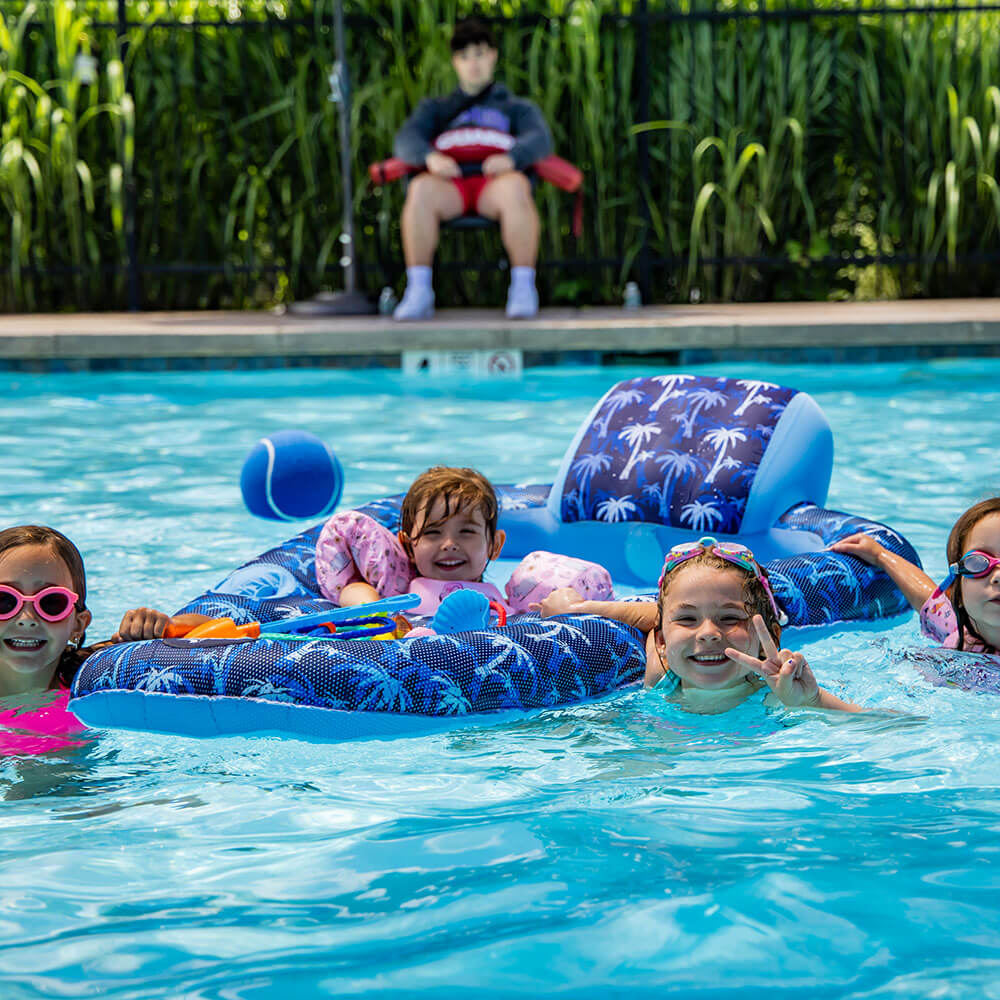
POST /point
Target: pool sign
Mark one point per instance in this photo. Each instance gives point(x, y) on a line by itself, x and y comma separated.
point(501, 362)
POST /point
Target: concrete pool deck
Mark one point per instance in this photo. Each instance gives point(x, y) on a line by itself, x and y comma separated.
point(836, 331)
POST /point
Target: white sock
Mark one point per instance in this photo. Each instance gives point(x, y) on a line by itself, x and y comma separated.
point(522, 277)
point(418, 300)
point(522, 296)
point(418, 278)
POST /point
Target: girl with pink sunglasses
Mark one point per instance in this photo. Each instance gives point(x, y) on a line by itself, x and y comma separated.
point(964, 611)
point(713, 635)
point(43, 609)
point(43, 620)
point(43, 623)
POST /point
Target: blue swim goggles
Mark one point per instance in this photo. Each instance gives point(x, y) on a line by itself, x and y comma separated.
point(974, 563)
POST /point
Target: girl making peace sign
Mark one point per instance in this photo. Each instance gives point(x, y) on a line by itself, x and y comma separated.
point(711, 634)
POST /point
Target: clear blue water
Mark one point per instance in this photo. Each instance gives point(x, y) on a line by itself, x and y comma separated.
point(624, 848)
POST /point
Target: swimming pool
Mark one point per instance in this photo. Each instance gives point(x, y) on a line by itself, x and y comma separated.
point(620, 848)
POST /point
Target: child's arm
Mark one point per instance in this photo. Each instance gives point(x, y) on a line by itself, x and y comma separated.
point(358, 593)
point(788, 675)
point(567, 601)
point(148, 623)
point(915, 584)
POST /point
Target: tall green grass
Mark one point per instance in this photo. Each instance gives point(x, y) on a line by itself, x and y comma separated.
point(829, 156)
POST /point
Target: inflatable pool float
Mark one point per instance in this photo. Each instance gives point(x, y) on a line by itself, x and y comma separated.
point(658, 460)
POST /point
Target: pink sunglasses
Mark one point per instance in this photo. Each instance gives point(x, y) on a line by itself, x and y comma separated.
point(52, 604)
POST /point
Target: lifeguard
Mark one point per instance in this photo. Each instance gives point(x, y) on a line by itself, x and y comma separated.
point(476, 144)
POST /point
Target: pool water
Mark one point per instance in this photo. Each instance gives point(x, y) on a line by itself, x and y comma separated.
point(623, 848)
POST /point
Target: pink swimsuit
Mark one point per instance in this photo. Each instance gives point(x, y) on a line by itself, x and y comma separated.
point(34, 731)
point(353, 547)
point(433, 592)
point(938, 622)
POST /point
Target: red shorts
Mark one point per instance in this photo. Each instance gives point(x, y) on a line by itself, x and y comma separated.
point(470, 188)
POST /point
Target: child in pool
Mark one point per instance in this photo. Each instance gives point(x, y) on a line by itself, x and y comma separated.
point(43, 610)
point(448, 535)
point(964, 612)
point(43, 620)
point(714, 631)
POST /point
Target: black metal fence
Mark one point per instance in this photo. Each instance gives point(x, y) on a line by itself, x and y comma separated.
point(735, 150)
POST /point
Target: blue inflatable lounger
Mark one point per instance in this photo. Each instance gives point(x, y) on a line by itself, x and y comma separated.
point(659, 460)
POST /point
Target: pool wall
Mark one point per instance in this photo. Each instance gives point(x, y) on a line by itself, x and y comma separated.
point(815, 332)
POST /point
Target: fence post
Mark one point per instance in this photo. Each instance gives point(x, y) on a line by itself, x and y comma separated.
point(129, 179)
point(349, 302)
point(642, 147)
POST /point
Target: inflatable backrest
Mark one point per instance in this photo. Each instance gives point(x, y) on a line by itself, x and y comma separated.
point(704, 453)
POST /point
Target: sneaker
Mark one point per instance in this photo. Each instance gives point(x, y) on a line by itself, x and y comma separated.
point(417, 303)
point(522, 302)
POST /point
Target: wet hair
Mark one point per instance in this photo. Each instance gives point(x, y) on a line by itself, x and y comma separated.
point(57, 542)
point(755, 597)
point(459, 489)
point(955, 550)
point(471, 31)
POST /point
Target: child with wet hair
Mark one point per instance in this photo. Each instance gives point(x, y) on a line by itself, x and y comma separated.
point(44, 615)
point(963, 613)
point(447, 536)
point(43, 609)
point(713, 634)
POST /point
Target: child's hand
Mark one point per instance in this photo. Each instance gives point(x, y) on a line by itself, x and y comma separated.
point(141, 623)
point(564, 601)
point(786, 673)
point(861, 546)
point(148, 623)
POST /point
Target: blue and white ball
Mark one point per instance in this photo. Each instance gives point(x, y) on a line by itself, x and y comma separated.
point(291, 475)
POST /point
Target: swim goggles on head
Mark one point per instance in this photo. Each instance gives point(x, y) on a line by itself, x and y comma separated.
point(52, 604)
point(734, 552)
point(974, 563)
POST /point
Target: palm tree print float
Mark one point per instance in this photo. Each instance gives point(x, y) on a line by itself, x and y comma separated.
point(697, 400)
point(670, 384)
point(673, 443)
point(585, 468)
point(755, 394)
point(616, 509)
point(616, 400)
point(635, 436)
point(675, 466)
point(701, 515)
point(722, 439)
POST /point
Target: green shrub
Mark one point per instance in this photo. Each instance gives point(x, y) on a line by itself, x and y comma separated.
point(817, 156)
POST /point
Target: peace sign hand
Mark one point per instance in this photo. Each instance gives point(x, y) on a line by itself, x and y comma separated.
point(786, 673)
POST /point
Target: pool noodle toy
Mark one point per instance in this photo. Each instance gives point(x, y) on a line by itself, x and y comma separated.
point(659, 460)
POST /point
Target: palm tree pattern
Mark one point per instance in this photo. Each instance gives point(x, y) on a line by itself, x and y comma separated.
point(827, 588)
point(529, 664)
point(681, 450)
